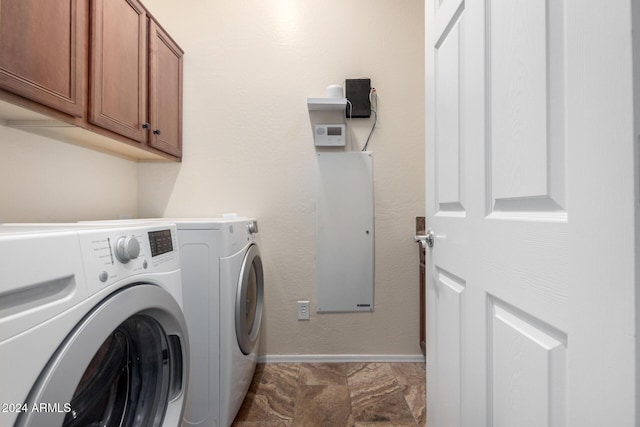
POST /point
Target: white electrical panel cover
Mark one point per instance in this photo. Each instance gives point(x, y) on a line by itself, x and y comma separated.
point(345, 232)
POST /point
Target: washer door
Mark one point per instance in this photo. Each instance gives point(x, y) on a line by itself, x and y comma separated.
point(249, 297)
point(124, 365)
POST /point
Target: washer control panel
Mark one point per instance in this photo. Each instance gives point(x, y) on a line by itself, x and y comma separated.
point(120, 253)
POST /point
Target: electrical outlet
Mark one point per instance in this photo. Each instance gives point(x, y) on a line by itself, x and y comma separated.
point(303, 310)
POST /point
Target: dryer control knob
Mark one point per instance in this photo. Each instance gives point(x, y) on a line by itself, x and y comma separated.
point(252, 227)
point(127, 248)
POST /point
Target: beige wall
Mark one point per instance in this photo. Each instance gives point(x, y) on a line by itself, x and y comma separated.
point(248, 69)
point(45, 180)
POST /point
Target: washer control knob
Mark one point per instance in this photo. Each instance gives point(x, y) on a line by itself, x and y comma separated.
point(127, 248)
point(253, 227)
point(103, 276)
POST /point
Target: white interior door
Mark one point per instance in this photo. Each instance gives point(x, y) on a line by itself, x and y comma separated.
point(531, 196)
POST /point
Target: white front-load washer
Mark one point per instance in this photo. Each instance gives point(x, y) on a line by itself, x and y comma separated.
point(92, 331)
point(241, 305)
point(223, 287)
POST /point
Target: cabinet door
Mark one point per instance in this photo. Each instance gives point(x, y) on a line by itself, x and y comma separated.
point(118, 67)
point(43, 51)
point(165, 91)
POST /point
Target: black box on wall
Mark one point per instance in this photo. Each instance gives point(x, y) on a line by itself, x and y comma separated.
point(357, 92)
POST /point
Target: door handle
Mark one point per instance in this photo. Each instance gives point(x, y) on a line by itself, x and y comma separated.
point(425, 239)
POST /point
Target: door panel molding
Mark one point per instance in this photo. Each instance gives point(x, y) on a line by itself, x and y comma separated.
point(446, 15)
point(449, 145)
point(527, 372)
point(525, 124)
point(449, 292)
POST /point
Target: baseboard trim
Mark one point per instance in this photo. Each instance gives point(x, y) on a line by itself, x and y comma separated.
point(340, 358)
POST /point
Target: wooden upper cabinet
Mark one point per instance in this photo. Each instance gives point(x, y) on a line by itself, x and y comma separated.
point(104, 66)
point(165, 91)
point(118, 57)
point(43, 51)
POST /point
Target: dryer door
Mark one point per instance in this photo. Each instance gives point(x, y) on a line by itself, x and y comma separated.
point(249, 297)
point(124, 365)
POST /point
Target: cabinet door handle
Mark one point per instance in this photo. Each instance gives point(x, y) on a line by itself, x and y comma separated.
point(156, 131)
point(145, 126)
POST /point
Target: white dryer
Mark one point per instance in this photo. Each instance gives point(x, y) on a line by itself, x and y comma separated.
point(223, 287)
point(91, 326)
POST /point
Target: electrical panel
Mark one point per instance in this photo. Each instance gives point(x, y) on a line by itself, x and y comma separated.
point(345, 232)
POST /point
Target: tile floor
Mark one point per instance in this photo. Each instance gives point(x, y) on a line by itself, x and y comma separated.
point(335, 395)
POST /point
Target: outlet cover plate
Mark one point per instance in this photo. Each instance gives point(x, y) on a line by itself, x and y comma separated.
point(303, 310)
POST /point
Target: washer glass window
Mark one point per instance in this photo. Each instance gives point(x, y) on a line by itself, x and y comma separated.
point(126, 381)
point(249, 299)
point(252, 298)
point(123, 365)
